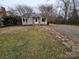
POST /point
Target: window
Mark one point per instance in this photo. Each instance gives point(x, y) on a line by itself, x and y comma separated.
point(43, 19)
point(23, 20)
point(36, 20)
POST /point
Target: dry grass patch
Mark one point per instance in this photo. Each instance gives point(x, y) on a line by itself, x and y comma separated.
point(29, 43)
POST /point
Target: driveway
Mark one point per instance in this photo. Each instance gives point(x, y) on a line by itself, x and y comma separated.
point(72, 32)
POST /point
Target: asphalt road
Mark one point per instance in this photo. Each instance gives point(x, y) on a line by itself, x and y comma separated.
point(72, 32)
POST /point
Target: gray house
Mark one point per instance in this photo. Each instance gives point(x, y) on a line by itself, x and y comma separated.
point(34, 19)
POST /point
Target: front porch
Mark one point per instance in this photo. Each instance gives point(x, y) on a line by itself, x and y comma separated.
point(34, 21)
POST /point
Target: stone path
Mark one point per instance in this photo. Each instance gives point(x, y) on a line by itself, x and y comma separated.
point(71, 46)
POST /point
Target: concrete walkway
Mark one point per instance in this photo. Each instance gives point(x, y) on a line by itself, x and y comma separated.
point(72, 32)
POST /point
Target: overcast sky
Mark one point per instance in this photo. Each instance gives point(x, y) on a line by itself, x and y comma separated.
point(33, 3)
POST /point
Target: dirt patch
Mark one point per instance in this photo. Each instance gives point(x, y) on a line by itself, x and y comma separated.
point(12, 29)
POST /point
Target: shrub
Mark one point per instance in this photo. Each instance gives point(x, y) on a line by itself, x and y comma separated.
point(58, 20)
point(73, 21)
point(1, 22)
point(11, 21)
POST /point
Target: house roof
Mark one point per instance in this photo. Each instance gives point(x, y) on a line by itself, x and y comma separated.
point(31, 15)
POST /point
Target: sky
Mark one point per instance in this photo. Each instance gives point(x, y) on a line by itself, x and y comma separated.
point(34, 3)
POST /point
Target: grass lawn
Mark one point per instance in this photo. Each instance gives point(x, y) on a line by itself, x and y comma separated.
point(28, 43)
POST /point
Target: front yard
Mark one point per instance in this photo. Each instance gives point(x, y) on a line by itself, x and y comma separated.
point(28, 43)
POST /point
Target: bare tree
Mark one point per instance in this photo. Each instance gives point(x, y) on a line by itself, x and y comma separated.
point(24, 10)
point(75, 11)
point(46, 10)
point(65, 7)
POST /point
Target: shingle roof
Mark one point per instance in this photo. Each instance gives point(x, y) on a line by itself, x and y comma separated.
point(32, 15)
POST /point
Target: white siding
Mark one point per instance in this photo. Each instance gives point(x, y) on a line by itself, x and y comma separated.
point(41, 22)
point(23, 22)
point(36, 22)
point(30, 21)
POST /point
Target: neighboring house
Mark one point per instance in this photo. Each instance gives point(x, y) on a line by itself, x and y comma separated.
point(2, 11)
point(8, 13)
point(34, 19)
point(12, 13)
